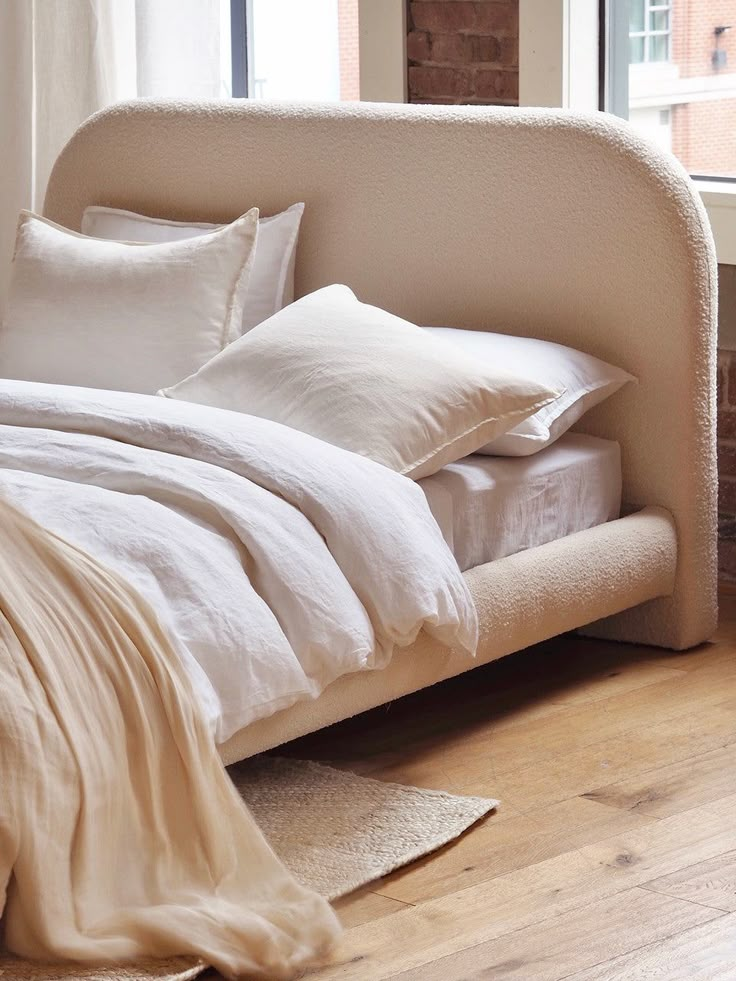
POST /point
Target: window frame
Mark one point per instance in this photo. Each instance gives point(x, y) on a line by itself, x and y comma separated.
point(651, 7)
point(382, 50)
point(241, 48)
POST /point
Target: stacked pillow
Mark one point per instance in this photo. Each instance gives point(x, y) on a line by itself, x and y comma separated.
point(365, 380)
point(585, 381)
point(119, 315)
point(202, 313)
point(271, 283)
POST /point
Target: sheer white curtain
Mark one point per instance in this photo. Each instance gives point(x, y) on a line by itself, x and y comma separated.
point(61, 60)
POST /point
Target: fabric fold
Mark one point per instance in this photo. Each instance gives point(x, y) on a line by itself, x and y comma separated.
point(276, 562)
point(121, 835)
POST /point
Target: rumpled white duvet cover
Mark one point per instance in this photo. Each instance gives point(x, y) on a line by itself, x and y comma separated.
point(275, 561)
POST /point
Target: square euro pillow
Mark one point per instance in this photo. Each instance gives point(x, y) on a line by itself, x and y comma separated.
point(271, 284)
point(121, 316)
point(586, 380)
point(367, 381)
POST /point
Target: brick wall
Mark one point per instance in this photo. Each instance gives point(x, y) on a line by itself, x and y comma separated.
point(702, 132)
point(462, 52)
point(693, 40)
point(727, 427)
point(703, 135)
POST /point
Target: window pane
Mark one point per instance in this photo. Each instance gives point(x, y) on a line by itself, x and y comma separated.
point(636, 53)
point(305, 49)
point(658, 47)
point(682, 80)
point(637, 15)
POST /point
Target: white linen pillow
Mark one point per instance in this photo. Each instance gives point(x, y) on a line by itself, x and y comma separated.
point(271, 284)
point(82, 311)
point(363, 379)
point(586, 380)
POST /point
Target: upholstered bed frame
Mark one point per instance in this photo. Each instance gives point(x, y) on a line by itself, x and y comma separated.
point(534, 222)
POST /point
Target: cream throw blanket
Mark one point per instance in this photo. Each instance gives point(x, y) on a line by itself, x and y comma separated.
point(120, 832)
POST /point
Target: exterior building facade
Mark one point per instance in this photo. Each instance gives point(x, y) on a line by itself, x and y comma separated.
point(682, 79)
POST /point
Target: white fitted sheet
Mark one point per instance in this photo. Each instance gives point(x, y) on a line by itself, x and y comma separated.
point(490, 506)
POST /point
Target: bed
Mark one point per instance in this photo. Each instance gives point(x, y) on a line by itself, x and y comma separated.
point(529, 222)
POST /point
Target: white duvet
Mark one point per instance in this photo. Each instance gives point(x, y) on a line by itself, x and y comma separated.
point(276, 562)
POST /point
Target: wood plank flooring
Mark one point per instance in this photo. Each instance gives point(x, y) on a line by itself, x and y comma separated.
point(613, 854)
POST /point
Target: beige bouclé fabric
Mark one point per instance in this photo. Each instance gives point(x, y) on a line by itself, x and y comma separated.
point(521, 599)
point(121, 835)
point(535, 222)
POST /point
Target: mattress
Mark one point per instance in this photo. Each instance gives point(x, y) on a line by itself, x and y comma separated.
point(489, 507)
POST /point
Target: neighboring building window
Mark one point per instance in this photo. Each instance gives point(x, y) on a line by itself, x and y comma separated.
point(649, 31)
point(671, 71)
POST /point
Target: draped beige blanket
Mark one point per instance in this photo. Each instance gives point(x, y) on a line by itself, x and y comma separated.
point(121, 835)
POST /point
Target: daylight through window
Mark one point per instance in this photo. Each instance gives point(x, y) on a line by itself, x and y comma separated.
point(681, 78)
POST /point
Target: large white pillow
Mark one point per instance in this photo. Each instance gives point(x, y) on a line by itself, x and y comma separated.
point(82, 311)
point(365, 380)
point(271, 284)
point(586, 380)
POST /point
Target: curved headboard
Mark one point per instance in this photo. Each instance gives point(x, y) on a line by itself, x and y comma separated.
point(536, 222)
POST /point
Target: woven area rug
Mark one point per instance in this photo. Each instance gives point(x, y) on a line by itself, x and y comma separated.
point(336, 831)
point(174, 969)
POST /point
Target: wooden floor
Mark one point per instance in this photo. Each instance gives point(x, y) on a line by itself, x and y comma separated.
point(613, 853)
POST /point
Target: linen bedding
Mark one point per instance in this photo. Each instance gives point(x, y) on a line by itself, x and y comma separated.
point(121, 836)
point(275, 562)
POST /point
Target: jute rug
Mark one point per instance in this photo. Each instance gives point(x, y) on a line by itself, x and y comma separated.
point(336, 831)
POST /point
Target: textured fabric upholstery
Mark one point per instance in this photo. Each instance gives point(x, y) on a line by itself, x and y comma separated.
point(521, 599)
point(534, 222)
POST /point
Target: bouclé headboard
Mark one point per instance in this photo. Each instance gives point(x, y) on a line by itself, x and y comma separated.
point(534, 222)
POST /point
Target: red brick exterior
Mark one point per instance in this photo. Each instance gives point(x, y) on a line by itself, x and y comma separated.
point(692, 35)
point(703, 132)
point(462, 52)
point(347, 28)
point(703, 135)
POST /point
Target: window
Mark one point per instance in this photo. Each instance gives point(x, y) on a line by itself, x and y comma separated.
point(671, 70)
point(649, 31)
point(303, 50)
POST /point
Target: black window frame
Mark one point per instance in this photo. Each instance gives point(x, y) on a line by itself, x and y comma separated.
point(241, 48)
